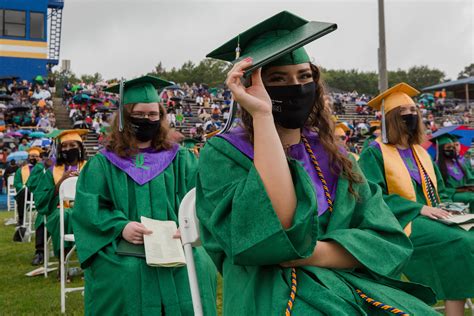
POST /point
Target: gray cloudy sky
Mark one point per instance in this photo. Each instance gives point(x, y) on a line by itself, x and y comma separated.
point(129, 37)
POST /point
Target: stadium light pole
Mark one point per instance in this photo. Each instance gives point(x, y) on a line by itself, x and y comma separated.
point(382, 51)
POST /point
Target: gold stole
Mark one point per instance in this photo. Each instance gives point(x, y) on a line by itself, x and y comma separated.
point(58, 171)
point(25, 174)
point(397, 175)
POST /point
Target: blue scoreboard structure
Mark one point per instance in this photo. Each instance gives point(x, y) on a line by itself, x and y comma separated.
point(28, 47)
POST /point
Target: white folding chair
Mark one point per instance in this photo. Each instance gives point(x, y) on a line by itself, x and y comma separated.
point(46, 251)
point(189, 228)
point(67, 192)
point(29, 212)
point(11, 192)
point(11, 202)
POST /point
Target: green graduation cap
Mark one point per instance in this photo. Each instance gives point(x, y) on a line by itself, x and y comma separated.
point(277, 41)
point(442, 140)
point(445, 139)
point(138, 90)
point(53, 134)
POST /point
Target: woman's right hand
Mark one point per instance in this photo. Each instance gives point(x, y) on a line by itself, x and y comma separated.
point(255, 98)
point(434, 213)
point(134, 231)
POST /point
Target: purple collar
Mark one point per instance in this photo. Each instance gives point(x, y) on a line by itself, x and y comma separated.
point(410, 163)
point(455, 170)
point(408, 160)
point(145, 166)
point(238, 138)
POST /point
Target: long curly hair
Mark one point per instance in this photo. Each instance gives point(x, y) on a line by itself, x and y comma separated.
point(320, 121)
point(125, 144)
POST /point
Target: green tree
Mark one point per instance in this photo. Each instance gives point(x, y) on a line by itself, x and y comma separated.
point(63, 77)
point(423, 76)
point(208, 71)
point(97, 77)
point(467, 72)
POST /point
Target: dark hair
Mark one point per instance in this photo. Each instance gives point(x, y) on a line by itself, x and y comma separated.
point(320, 121)
point(125, 144)
point(60, 161)
point(397, 131)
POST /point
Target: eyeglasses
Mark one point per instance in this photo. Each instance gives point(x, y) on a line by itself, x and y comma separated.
point(150, 115)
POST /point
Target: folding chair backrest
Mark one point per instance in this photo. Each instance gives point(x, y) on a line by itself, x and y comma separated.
point(67, 190)
point(10, 181)
point(188, 222)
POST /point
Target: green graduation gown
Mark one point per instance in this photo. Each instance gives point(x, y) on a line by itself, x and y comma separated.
point(47, 203)
point(443, 256)
point(33, 181)
point(243, 235)
point(107, 198)
point(452, 184)
point(35, 175)
point(17, 180)
point(368, 141)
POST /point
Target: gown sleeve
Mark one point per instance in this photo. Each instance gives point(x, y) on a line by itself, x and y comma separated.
point(186, 169)
point(44, 195)
point(237, 216)
point(17, 180)
point(96, 223)
point(443, 194)
point(365, 227)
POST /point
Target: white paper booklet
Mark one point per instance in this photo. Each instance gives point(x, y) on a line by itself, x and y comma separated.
point(161, 249)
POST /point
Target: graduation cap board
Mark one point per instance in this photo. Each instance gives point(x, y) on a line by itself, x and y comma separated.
point(392, 98)
point(277, 41)
point(35, 150)
point(341, 129)
point(138, 90)
point(71, 134)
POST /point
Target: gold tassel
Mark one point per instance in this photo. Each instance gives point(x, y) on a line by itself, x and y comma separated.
point(237, 49)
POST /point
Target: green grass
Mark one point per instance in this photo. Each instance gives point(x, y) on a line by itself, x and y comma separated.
point(22, 295)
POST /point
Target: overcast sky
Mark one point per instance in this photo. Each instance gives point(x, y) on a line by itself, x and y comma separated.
point(129, 37)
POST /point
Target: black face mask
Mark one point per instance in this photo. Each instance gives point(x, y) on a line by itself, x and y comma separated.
point(144, 129)
point(32, 161)
point(411, 121)
point(450, 153)
point(292, 105)
point(71, 155)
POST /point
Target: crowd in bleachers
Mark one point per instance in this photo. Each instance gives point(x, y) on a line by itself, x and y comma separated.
point(437, 111)
point(26, 116)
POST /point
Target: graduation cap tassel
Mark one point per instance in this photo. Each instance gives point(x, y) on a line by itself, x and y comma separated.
point(384, 125)
point(237, 49)
point(122, 82)
point(437, 150)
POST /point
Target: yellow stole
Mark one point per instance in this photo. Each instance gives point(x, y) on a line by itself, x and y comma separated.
point(397, 175)
point(58, 171)
point(25, 174)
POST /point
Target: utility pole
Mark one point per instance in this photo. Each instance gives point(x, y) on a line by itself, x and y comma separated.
point(382, 51)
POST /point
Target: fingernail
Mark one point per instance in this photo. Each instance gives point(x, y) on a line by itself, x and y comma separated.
point(248, 59)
